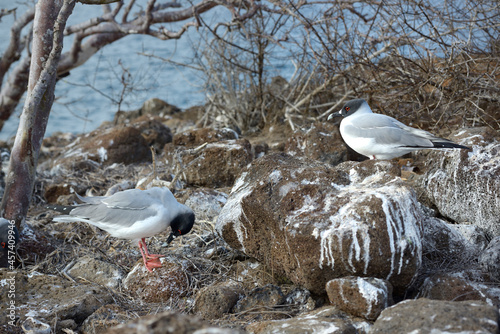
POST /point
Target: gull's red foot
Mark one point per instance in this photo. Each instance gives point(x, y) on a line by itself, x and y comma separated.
point(151, 264)
point(154, 256)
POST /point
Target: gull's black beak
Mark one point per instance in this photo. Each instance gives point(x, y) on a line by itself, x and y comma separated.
point(335, 114)
point(171, 237)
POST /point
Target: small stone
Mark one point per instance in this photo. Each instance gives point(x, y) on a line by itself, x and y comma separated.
point(364, 297)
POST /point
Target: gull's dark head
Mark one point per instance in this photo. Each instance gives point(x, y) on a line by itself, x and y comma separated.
point(351, 107)
point(182, 224)
point(354, 106)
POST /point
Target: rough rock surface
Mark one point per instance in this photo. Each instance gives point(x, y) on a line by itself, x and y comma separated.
point(435, 316)
point(323, 320)
point(214, 301)
point(313, 223)
point(360, 296)
point(169, 323)
point(459, 286)
point(322, 142)
point(206, 203)
point(168, 282)
point(105, 317)
point(462, 184)
point(122, 144)
point(43, 297)
point(206, 161)
point(94, 270)
point(266, 296)
point(490, 259)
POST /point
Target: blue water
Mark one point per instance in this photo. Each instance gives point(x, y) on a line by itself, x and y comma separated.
point(88, 96)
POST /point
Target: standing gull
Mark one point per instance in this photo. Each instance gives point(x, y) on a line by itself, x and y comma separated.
point(379, 136)
point(133, 214)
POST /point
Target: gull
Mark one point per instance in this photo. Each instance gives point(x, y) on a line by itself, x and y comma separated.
point(379, 136)
point(132, 214)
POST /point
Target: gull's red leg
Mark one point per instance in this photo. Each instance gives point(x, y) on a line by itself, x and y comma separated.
point(151, 262)
point(149, 256)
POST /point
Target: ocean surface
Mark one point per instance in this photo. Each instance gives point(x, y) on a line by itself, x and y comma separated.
point(90, 94)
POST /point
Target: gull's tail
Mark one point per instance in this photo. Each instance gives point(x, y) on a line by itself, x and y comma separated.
point(443, 143)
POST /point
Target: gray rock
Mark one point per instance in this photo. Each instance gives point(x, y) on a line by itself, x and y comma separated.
point(364, 297)
point(490, 259)
point(459, 286)
point(206, 203)
point(324, 320)
point(312, 223)
point(97, 271)
point(46, 297)
point(170, 323)
point(435, 316)
point(105, 317)
point(267, 296)
point(463, 185)
point(474, 234)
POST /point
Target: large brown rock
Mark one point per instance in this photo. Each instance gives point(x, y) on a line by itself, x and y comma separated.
point(205, 158)
point(313, 223)
point(463, 185)
point(321, 142)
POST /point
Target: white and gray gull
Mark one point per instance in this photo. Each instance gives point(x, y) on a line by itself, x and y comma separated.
point(379, 136)
point(133, 214)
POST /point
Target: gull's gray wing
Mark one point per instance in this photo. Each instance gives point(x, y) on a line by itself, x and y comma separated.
point(132, 199)
point(122, 208)
point(104, 216)
point(386, 130)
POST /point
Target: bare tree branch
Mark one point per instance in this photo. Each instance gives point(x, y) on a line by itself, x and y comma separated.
point(49, 21)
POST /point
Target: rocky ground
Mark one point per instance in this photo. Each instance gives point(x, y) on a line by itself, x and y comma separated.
point(292, 234)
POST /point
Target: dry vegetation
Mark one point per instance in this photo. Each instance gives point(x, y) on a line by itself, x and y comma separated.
point(435, 65)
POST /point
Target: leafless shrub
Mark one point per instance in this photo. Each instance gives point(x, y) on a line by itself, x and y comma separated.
point(431, 64)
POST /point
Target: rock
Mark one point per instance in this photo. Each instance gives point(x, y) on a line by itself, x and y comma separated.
point(45, 298)
point(435, 316)
point(122, 144)
point(262, 297)
point(170, 323)
point(171, 281)
point(463, 184)
point(153, 131)
point(474, 234)
point(154, 106)
point(300, 299)
point(361, 297)
point(443, 242)
point(196, 137)
point(313, 223)
point(34, 326)
point(105, 317)
point(321, 142)
point(206, 203)
point(459, 286)
point(97, 271)
point(214, 165)
point(214, 301)
point(490, 259)
point(324, 320)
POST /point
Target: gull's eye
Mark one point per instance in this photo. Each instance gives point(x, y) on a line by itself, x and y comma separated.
point(347, 108)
